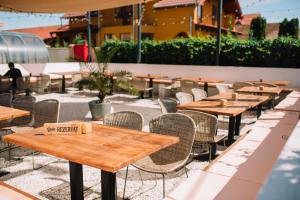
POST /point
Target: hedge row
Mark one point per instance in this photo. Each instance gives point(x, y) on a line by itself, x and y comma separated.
point(281, 52)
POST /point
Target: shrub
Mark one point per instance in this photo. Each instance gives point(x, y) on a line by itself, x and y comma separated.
point(282, 52)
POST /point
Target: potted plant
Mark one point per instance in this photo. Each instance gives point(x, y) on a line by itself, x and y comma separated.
point(101, 80)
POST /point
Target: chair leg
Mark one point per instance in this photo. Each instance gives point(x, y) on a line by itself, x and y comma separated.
point(33, 160)
point(209, 149)
point(185, 169)
point(125, 183)
point(164, 189)
point(9, 152)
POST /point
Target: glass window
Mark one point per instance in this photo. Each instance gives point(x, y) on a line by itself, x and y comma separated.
point(108, 36)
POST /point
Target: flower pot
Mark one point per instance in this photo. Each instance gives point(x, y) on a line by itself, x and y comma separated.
point(99, 110)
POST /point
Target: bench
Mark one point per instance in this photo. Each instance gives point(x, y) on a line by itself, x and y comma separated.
point(242, 169)
point(8, 192)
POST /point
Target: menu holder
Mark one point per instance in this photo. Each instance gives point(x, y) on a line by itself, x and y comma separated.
point(67, 128)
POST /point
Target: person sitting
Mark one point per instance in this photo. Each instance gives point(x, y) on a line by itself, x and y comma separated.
point(13, 73)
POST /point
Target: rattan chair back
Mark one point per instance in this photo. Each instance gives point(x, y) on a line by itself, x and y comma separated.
point(188, 85)
point(178, 125)
point(222, 88)
point(46, 111)
point(184, 97)
point(167, 105)
point(24, 103)
point(198, 94)
point(125, 119)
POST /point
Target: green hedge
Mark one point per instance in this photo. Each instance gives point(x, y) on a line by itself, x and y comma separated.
point(281, 52)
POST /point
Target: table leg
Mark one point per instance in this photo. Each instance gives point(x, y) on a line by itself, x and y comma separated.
point(237, 124)
point(206, 88)
point(63, 84)
point(108, 185)
point(151, 86)
point(231, 130)
point(258, 110)
point(76, 181)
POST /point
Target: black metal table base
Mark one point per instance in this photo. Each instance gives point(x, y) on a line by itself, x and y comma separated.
point(108, 185)
point(76, 181)
point(234, 128)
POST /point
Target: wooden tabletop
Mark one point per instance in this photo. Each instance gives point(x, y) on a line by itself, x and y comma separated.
point(8, 192)
point(278, 83)
point(11, 113)
point(106, 148)
point(200, 79)
point(266, 90)
point(150, 76)
point(240, 97)
point(232, 108)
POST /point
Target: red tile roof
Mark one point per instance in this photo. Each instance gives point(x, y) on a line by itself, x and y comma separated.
point(173, 3)
point(43, 32)
point(247, 18)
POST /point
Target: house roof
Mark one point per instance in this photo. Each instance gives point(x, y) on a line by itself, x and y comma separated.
point(44, 32)
point(247, 18)
point(173, 3)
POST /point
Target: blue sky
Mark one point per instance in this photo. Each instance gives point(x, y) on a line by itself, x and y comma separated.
point(273, 10)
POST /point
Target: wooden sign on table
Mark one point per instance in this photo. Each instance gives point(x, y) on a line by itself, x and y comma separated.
point(67, 128)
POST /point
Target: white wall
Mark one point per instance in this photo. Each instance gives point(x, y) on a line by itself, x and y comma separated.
point(59, 54)
point(228, 74)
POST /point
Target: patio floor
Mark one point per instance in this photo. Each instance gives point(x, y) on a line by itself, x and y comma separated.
point(51, 181)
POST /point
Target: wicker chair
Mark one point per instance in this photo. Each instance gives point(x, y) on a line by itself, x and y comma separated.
point(42, 84)
point(206, 130)
point(5, 84)
point(141, 85)
point(125, 119)
point(6, 99)
point(199, 94)
point(46, 111)
point(223, 88)
point(175, 157)
point(188, 85)
point(24, 103)
point(238, 85)
point(167, 105)
point(184, 98)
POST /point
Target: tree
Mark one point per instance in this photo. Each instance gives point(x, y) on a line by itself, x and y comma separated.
point(289, 28)
point(258, 28)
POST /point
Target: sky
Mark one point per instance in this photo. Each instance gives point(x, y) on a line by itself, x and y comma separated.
point(272, 10)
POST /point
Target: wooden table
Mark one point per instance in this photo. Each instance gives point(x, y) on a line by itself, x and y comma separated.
point(201, 80)
point(249, 98)
point(107, 148)
point(256, 90)
point(278, 83)
point(63, 80)
point(233, 109)
point(11, 113)
point(150, 77)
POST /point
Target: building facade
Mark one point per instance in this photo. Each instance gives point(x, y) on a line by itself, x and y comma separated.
point(161, 20)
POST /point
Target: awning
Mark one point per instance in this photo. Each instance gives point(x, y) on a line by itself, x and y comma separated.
point(62, 6)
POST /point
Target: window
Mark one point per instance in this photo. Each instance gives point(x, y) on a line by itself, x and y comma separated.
point(123, 12)
point(108, 36)
point(199, 12)
point(125, 36)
